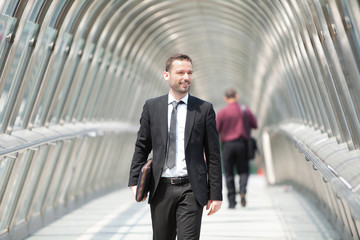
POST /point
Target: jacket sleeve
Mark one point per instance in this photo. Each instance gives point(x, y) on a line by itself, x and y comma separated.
point(143, 147)
point(212, 153)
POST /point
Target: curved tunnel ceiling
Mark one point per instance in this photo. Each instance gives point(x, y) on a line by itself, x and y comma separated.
point(220, 36)
point(290, 60)
point(74, 75)
point(265, 49)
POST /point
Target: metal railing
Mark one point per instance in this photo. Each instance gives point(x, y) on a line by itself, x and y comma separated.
point(74, 76)
point(320, 168)
point(47, 172)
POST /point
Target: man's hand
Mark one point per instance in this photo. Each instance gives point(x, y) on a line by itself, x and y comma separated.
point(133, 190)
point(213, 205)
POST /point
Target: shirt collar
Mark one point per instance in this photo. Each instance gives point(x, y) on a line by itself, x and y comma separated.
point(184, 99)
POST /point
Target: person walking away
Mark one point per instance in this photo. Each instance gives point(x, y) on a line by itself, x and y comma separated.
point(181, 131)
point(233, 139)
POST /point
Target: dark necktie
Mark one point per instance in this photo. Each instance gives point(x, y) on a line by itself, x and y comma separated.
point(170, 163)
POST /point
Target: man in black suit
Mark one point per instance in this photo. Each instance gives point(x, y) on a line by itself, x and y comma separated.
point(182, 185)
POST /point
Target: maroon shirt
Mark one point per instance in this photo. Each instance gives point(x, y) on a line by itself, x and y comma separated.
point(229, 122)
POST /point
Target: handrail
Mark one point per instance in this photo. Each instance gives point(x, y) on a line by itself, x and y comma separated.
point(337, 180)
point(24, 139)
point(342, 188)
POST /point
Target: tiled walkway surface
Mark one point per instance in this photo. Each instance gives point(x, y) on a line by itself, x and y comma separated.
point(275, 212)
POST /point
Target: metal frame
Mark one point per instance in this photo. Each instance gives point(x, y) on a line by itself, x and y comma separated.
point(74, 76)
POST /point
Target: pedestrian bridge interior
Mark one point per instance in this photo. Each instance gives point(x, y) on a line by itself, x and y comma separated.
point(74, 76)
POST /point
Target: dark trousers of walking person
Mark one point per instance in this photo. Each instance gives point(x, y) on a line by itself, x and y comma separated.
point(235, 155)
point(175, 212)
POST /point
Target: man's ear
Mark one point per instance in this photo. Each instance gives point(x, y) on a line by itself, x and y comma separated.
point(166, 75)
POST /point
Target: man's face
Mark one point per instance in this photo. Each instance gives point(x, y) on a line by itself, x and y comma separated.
point(179, 76)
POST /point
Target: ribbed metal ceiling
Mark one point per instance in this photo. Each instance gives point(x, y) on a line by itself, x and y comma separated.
point(74, 76)
point(285, 58)
point(220, 36)
point(279, 55)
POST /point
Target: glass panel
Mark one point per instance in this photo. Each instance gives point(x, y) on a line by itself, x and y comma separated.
point(46, 175)
point(66, 81)
point(352, 24)
point(119, 82)
point(99, 84)
point(345, 72)
point(83, 169)
point(106, 90)
point(6, 165)
point(21, 208)
point(59, 9)
point(96, 155)
point(92, 87)
point(15, 76)
point(32, 179)
point(101, 160)
point(67, 176)
point(36, 77)
point(11, 6)
point(7, 25)
point(14, 188)
point(36, 9)
point(78, 164)
point(79, 84)
point(53, 80)
point(110, 167)
point(58, 176)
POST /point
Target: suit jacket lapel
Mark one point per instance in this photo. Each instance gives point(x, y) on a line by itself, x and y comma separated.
point(190, 117)
point(163, 116)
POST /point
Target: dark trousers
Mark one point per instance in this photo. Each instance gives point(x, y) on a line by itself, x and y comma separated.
point(175, 211)
point(235, 155)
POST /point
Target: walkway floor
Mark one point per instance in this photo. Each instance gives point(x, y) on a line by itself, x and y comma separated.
point(272, 212)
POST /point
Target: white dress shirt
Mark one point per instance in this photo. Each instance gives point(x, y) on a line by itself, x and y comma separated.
point(179, 170)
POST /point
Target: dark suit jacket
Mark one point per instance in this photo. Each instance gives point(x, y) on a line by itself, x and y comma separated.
point(201, 141)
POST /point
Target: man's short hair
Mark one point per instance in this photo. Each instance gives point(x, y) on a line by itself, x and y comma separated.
point(176, 56)
point(230, 93)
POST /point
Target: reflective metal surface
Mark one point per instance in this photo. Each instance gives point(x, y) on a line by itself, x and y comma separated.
point(74, 76)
